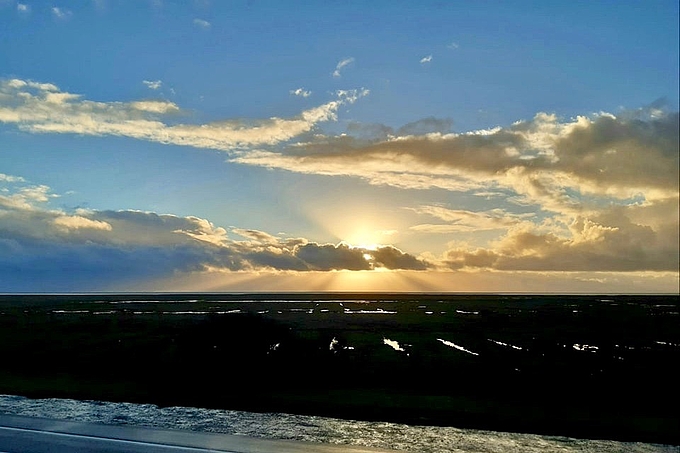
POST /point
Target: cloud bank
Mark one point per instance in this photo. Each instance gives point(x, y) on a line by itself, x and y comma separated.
point(599, 156)
point(54, 247)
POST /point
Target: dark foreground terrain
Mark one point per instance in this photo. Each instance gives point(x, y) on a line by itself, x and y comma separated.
point(589, 367)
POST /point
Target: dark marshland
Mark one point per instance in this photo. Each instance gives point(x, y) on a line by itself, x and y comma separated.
point(595, 367)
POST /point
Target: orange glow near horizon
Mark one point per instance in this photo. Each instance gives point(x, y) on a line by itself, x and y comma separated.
point(379, 280)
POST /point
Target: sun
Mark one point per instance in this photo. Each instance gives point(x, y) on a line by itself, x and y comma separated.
point(366, 239)
point(362, 240)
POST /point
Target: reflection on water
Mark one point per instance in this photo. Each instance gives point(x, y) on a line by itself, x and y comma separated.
point(425, 439)
point(393, 344)
point(507, 345)
point(454, 345)
point(585, 347)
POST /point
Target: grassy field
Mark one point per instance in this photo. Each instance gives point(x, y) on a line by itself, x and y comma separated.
point(328, 357)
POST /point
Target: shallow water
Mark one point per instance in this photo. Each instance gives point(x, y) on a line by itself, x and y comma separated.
point(425, 439)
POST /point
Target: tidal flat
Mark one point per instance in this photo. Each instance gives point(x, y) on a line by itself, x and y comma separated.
point(593, 367)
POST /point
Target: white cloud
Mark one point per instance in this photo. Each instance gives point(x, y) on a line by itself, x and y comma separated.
point(426, 59)
point(301, 92)
point(341, 64)
point(77, 222)
point(160, 107)
point(153, 84)
point(10, 178)
point(396, 171)
point(462, 220)
point(23, 8)
point(453, 46)
point(204, 24)
point(43, 108)
point(26, 197)
point(61, 13)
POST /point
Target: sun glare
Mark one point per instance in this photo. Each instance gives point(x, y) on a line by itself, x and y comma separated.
point(366, 239)
point(363, 241)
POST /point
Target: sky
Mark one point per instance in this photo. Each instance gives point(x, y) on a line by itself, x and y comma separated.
point(202, 145)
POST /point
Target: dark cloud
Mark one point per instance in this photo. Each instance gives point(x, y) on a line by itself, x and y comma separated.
point(614, 152)
point(329, 257)
point(42, 265)
point(427, 125)
point(392, 258)
point(380, 132)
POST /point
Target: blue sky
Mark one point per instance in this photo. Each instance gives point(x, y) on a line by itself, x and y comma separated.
point(448, 146)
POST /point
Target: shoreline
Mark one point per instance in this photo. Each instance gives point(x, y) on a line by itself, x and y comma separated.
point(293, 430)
point(458, 412)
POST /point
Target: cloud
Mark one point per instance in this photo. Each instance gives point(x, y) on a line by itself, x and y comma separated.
point(115, 246)
point(204, 24)
point(160, 107)
point(257, 236)
point(10, 178)
point(61, 13)
point(70, 222)
point(23, 8)
point(341, 64)
point(429, 125)
point(153, 84)
point(592, 246)
point(562, 166)
point(426, 59)
point(43, 108)
point(329, 257)
point(391, 257)
point(453, 46)
point(301, 92)
point(462, 220)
